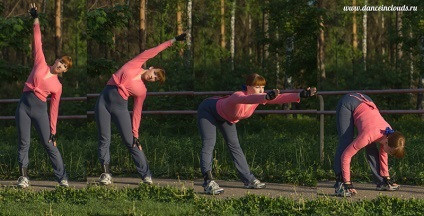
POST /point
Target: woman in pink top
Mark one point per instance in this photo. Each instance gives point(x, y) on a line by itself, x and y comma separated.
point(112, 105)
point(359, 110)
point(224, 113)
point(32, 108)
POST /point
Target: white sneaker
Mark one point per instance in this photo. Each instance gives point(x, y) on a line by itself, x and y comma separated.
point(213, 188)
point(105, 179)
point(148, 180)
point(23, 182)
point(255, 184)
point(64, 183)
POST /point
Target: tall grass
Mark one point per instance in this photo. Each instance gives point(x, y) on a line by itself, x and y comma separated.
point(277, 148)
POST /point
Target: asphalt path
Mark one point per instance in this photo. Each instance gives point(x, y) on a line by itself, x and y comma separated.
point(235, 189)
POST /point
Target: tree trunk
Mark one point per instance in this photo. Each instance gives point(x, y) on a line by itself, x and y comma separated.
point(189, 44)
point(383, 48)
point(354, 42)
point(399, 52)
point(391, 44)
point(249, 36)
point(233, 32)
point(354, 30)
point(142, 26)
point(113, 50)
point(223, 24)
point(320, 46)
point(129, 26)
point(180, 22)
point(287, 80)
point(44, 6)
point(364, 38)
point(277, 62)
point(179, 18)
point(266, 34)
point(223, 43)
point(289, 54)
point(58, 29)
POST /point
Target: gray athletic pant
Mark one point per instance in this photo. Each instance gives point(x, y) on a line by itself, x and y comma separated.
point(208, 120)
point(33, 110)
point(345, 129)
point(111, 106)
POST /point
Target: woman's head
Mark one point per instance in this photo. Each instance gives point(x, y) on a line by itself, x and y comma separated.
point(62, 65)
point(255, 84)
point(154, 74)
point(396, 142)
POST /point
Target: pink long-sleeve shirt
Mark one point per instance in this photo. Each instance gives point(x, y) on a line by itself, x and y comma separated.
point(240, 105)
point(371, 126)
point(41, 82)
point(129, 83)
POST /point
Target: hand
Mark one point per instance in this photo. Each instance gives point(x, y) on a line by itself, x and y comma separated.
point(52, 139)
point(271, 95)
point(33, 11)
point(309, 92)
point(181, 37)
point(348, 186)
point(136, 143)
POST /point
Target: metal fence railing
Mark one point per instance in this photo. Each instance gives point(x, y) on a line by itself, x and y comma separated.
point(83, 116)
point(320, 95)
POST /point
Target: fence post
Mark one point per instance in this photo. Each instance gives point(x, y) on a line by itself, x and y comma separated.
point(321, 130)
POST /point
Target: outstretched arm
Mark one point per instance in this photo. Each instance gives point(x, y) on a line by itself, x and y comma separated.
point(285, 98)
point(291, 97)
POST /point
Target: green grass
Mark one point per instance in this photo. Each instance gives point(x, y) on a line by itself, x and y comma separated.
point(154, 200)
point(278, 149)
point(94, 201)
point(98, 207)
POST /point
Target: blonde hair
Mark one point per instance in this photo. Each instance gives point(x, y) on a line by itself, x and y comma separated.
point(255, 80)
point(396, 141)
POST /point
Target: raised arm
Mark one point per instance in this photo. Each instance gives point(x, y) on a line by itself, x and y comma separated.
point(141, 58)
point(37, 46)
